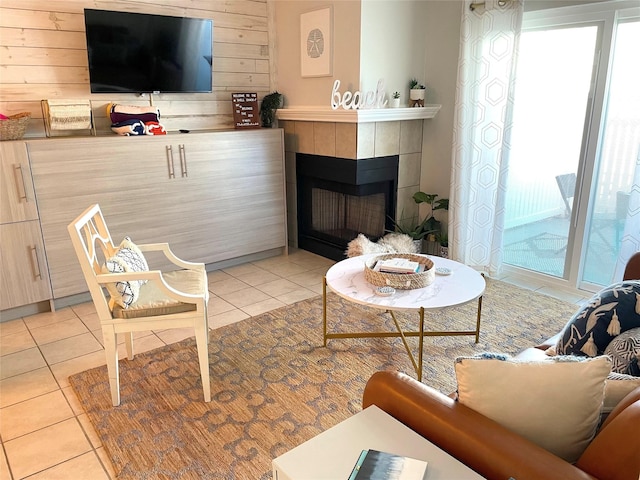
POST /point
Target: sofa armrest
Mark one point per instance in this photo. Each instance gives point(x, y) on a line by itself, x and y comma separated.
point(477, 441)
point(551, 342)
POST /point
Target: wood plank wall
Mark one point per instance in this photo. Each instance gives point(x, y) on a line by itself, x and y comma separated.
point(43, 55)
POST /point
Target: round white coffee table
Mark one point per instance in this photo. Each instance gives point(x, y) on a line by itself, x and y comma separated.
point(462, 285)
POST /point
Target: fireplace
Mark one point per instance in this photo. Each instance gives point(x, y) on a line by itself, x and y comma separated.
point(339, 198)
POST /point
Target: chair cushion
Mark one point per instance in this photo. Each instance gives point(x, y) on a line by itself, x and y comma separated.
point(555, 403)
point(152, 301)
point(127, 258)
point(608, 313)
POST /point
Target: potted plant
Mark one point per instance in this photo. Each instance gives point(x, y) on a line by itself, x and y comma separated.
point(395, 100)
point(430, 223)
point(429, 227)
point(443, 240)
point(410, 227)
point(416, 93)
point(270, 103)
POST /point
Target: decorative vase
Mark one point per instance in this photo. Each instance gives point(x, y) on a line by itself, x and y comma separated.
point(444, 251)
point(416, 93)
point(394, 103)
point(417, 244)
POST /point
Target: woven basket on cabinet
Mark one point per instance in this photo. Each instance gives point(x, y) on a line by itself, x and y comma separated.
point(14, 127)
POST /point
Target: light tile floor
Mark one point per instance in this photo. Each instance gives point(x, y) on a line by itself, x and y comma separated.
point(44, 432)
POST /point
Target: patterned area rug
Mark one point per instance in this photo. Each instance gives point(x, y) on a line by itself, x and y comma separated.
point(275, 386)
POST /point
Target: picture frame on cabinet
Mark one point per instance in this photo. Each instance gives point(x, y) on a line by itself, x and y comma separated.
point(316, 43)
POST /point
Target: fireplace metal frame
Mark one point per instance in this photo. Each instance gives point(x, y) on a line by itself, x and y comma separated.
point(350, 177)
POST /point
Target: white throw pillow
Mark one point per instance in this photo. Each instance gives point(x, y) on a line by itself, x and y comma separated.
point(127, 258)
point(555, 403)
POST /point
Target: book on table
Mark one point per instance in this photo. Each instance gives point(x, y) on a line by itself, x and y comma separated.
point(377, 465)
point(397, 265)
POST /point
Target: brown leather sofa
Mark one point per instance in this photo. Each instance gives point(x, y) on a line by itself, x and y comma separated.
point(498, 453)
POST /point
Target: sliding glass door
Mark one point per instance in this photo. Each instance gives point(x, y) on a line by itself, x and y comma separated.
point(553, 83)
point(575, 142)
point(616, 158)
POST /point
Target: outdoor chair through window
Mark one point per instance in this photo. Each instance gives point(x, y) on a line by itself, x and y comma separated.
point(567, 186)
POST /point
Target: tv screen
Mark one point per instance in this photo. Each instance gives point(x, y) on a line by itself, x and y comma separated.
point(143, 53)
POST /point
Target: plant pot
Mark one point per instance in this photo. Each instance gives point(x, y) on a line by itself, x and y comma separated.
point(394, 103)
point(416, 93)
point(267, 119)
point(418, 246)
point(430, 247)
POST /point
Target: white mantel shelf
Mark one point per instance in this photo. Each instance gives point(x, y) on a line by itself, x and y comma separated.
point(327, 114)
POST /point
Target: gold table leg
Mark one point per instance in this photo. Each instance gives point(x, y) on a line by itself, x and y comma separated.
point(478, 319)
point(417, 366)
point(399, 332)
point(324, 310)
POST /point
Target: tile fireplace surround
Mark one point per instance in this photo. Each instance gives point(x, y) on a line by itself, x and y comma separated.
point(355, 134)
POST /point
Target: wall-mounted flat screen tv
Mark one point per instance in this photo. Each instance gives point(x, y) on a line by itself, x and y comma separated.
point(143, 53)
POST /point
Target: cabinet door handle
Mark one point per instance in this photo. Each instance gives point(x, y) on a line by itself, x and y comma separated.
point(183, 160)
point(20, 183)
point(170, 161)
point(35, 262)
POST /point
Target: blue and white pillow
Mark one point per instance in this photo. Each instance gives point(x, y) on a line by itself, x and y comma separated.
point(127, 258)
point(608, 313)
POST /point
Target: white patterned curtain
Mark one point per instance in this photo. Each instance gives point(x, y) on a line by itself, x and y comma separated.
point(483, 111)
point(631, 237)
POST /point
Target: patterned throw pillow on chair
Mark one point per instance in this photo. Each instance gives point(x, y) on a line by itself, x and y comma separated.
point(608, 313)
point(128, 258)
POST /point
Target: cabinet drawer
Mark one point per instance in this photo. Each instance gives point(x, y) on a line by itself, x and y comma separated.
point(17, 198)
point(25, 278)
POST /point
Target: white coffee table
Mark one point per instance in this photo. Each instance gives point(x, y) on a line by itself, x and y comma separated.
point(463, 285)
point(332, 454)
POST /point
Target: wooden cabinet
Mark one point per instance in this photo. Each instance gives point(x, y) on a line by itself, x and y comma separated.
point(24, 274)
point(24, 269)
point(212, 196)
point(17, 199)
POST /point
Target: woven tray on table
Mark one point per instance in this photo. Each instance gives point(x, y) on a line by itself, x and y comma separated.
point(14, 127)
point(400, 281)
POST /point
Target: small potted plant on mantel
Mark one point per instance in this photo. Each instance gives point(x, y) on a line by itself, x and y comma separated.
point(416, 93)
point(395, 99)
point(270, 103)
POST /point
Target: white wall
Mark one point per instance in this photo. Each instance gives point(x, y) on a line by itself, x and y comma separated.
point(300, 91)
point(442, 48)
point(373, 39)
point(392, 45)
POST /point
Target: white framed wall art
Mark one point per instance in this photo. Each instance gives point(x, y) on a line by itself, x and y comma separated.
point(316, 43)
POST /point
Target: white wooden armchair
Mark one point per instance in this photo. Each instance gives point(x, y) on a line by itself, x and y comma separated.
point(174, 299)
